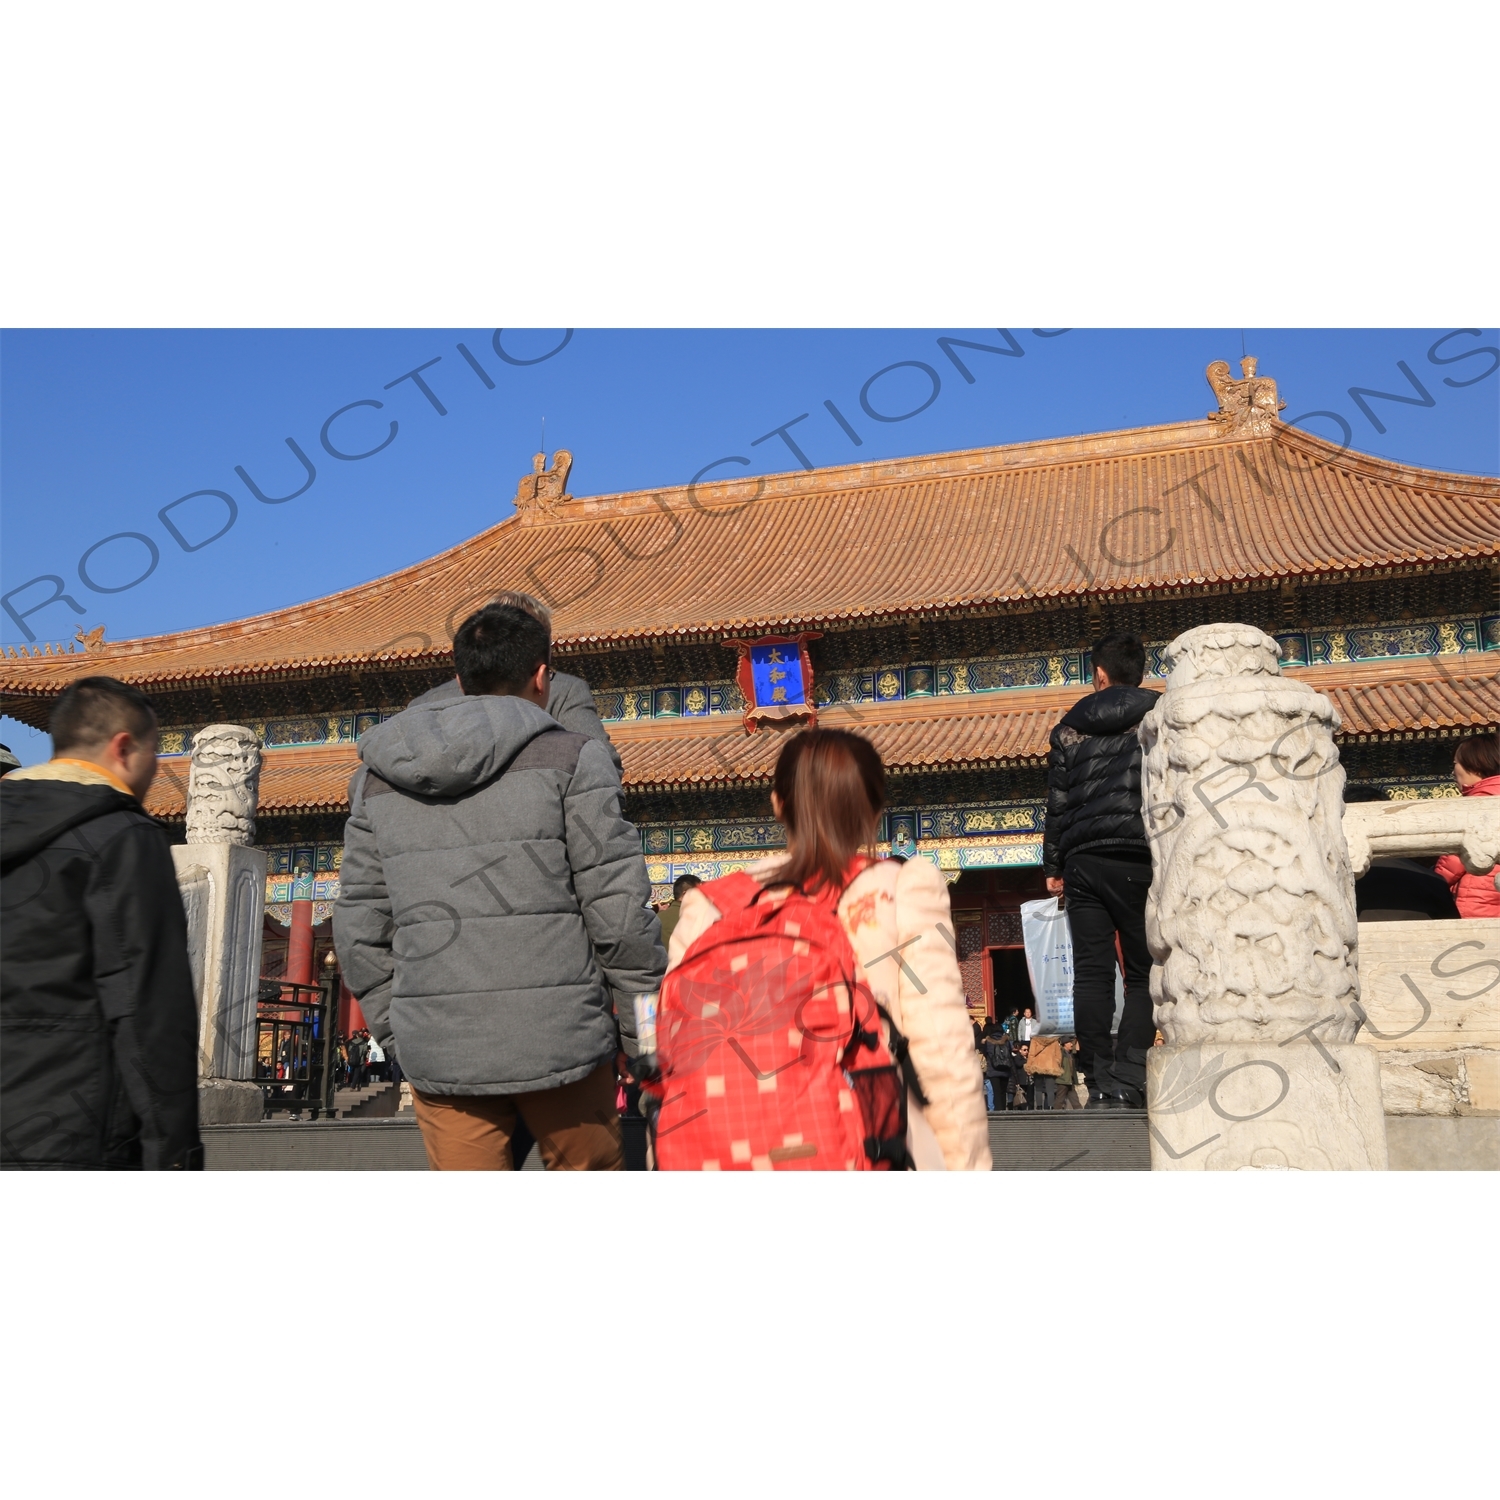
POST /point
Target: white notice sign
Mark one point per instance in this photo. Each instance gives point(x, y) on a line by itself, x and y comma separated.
point(1049, 963)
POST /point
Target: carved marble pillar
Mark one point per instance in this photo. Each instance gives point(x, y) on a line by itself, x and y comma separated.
point(1251, 920)
point(223, 884)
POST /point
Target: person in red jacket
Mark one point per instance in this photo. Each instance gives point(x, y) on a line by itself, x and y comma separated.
point(1476, 768)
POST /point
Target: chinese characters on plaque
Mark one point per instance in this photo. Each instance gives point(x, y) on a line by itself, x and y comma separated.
point(775, 675)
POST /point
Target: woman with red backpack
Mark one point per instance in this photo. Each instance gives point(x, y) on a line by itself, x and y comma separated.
point(813, 1017)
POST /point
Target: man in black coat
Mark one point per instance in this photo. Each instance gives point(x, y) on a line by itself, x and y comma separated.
point(996, 1049)
point(1096, 855)
point(1021, 1092)
point(98, 1022)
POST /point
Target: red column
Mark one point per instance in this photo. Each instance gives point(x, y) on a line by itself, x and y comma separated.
point(299, 953)
point(351, 1017)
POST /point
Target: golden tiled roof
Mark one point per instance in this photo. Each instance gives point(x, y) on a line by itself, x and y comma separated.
point(1152, 509)
point(1404, 698)
point(314, 780)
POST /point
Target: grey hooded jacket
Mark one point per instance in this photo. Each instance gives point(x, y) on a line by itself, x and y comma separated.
point(493, 911)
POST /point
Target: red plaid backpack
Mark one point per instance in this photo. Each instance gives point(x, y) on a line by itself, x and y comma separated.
point(771, 1049)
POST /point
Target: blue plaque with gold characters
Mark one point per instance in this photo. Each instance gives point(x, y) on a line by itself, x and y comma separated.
point(776, 679)
point(776, 671)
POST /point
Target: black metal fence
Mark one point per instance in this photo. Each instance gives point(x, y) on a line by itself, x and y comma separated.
point(296, 1054)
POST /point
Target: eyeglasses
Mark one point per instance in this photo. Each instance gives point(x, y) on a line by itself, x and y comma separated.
point(551, 673)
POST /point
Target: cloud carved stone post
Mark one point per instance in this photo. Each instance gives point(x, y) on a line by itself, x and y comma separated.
point(1251, 920)
point(223, 783)
point(223, 885)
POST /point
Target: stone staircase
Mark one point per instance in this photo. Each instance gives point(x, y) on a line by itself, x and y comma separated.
point(1074, 1140)
point(376, 1101)
point(1045, 1141)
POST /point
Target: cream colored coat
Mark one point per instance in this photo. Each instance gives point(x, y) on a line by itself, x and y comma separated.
point(901, 929)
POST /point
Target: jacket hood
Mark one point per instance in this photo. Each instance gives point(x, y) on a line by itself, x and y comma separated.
point(35, 813)
point(444, 692)
point(449, 747)
point(1489, 787)
point(1114, 711)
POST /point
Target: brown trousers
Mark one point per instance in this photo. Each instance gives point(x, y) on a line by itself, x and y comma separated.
point(576, 1126)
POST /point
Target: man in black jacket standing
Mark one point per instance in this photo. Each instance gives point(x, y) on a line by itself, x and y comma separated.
point(1096, 855)
point(98, 1022)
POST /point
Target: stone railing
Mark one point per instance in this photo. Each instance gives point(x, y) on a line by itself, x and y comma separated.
point(1466, 826)
point(1430, 991)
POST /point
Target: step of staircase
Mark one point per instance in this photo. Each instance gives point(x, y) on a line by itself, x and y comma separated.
point(377, 1101)
point(1060, 1141)
point(1071, 1140)
point(315, 1146)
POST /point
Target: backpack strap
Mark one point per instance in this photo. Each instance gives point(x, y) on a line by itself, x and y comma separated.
point(901, 1053)
point(731, 893)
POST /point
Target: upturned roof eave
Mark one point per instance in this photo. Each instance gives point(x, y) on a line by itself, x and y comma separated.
point(21, 689)
point(38, 678)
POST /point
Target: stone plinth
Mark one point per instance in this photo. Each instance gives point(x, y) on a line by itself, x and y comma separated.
point(223, 891)
point(224, 1102)
point(1224, 1107)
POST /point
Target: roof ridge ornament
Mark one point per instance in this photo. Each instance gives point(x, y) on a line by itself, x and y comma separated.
point(1247, 406)
point(541, 491)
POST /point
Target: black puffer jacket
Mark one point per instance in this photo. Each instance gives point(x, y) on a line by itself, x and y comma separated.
point(1094, 777)
point(98, 1024)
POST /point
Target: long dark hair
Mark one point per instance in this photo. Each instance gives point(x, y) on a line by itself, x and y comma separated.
point(831, 786)
point(1479, 755)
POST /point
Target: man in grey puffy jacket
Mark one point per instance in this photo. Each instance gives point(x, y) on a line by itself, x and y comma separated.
point(493, 915)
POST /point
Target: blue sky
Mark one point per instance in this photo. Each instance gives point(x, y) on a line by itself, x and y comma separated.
point(99, 430)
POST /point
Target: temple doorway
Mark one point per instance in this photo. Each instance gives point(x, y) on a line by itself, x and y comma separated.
point(1010, 982)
